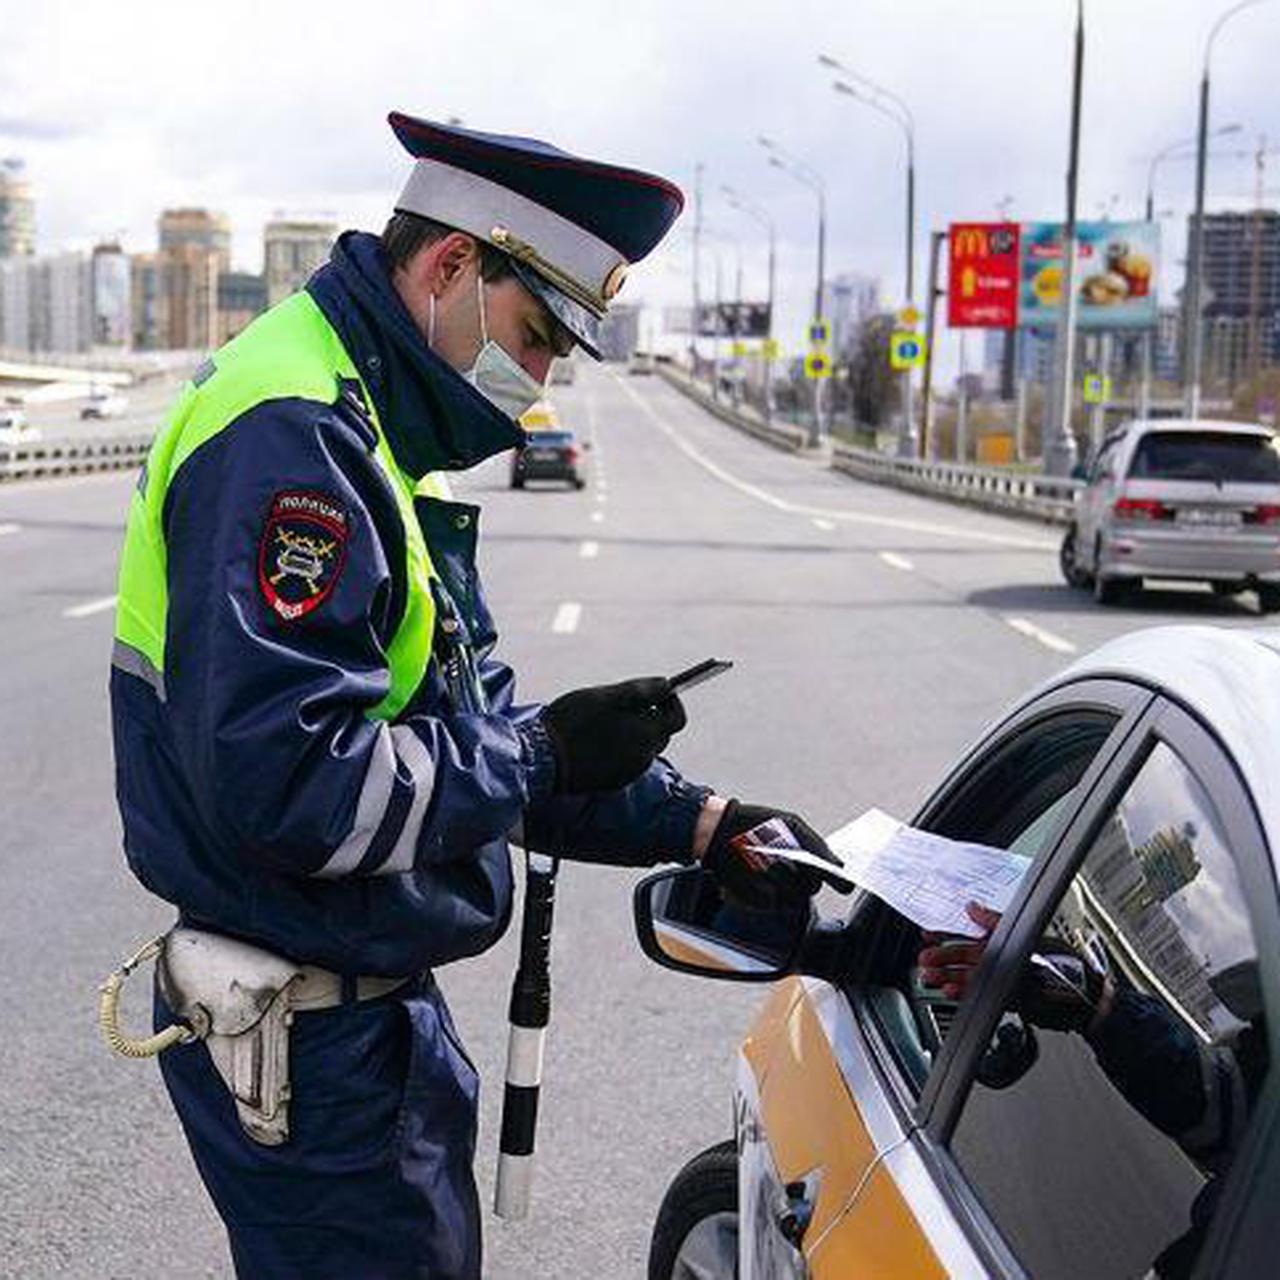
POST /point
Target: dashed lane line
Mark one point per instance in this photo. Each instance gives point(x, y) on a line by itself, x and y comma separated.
point(1029, 629)
point(827, 526)
point(9, 528)
point(895, 561)
point(597, 517)
point(567, 617)
point(589, 550)
point(89, 607)
point(843, 515)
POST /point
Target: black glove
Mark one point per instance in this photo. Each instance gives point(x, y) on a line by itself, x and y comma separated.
point(756, 880)
point(1060, 989)
point(607, 736)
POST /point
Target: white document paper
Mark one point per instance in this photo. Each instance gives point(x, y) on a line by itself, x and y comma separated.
point(927, 878)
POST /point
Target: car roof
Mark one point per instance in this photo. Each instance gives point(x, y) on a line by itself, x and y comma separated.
point(1229, 678)
point(1141, 426)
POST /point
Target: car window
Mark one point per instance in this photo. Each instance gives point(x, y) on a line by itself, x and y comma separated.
point(1104, 463)
point(1011, 798)
point(1206, 455)
point(1118, 1083)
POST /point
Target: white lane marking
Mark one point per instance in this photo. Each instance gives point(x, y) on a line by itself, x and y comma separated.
point(9, 528)
point(1029, 629)
point(597, 517)
point(566, 619)
point(601, 498)
point(830, 513)
point(89, 607)
point(825, 525)
point(895, 561)
point(589, 550)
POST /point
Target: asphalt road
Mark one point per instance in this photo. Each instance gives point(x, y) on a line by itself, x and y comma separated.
point(874, 634)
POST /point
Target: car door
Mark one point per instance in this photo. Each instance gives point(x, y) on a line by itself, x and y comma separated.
point(870, 1036)
point(1095, 502)
point(1131, 1143)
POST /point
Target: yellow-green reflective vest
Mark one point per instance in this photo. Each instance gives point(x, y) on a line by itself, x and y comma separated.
point(290, 352)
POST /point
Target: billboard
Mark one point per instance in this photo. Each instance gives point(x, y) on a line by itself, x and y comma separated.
point(1116, 274)
point(1005, 274)
point(983, 275)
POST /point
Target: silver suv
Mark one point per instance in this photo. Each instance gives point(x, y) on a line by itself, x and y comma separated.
point(1173, 498)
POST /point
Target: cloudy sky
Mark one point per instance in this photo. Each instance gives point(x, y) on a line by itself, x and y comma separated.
point(124, 108)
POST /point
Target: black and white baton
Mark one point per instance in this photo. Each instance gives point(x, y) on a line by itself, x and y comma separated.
point(530, 1012)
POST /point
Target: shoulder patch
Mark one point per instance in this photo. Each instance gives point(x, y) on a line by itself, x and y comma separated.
point(302, 551)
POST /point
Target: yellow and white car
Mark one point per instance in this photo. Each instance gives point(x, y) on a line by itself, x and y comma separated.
point(885, 1131)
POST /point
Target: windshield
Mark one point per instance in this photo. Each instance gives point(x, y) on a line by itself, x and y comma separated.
point(1206, 455)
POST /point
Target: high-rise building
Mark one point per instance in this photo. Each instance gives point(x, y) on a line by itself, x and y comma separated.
point(62, 311)
point(17, 211)
point(190, 282)
point(241, 297)
point(197, 229)
point(848, 302)
point(148, 302)
point(1241, 290)
point(292, 248)
point(15, 304)
point(111, 304)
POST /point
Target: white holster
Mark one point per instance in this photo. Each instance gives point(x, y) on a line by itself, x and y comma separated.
point(237, 999)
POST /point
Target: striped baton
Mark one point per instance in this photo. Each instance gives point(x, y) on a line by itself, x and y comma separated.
point(529, 1015)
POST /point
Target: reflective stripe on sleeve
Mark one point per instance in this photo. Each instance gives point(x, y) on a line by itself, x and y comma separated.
point(399, 761)
point(417, 759)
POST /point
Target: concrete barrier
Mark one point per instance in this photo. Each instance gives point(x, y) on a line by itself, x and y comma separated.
point(71, 457)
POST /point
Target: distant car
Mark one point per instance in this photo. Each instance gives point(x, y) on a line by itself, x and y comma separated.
point(12, 419)
point(104, 404)
point(1175, 498)
point(552, 451)
point(641, 363)
point(14, 428)
point(563, 372)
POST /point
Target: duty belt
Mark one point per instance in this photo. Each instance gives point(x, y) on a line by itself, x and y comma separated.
point(240, 1000)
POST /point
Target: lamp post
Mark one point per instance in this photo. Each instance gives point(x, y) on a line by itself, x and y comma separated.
point(888, 104)
point(1195, 272)
point(1148, 342)
point(758, 215)
point(1060, 450)
point(809, 177)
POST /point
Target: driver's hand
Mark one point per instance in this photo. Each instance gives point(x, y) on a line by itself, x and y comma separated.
point(756, 880)
point(948, 962)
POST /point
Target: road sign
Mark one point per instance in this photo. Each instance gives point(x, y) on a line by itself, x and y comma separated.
point(1097, 389)
point(819, 333)
point(982, 281)
point(906, 350)
point(908, 318)
point(771, 349)
point(817, 364)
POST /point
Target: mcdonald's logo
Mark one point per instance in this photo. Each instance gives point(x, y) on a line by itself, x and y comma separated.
point(969, 242)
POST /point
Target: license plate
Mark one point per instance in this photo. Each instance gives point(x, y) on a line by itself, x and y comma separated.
point(1209, 518)
point(542, 455)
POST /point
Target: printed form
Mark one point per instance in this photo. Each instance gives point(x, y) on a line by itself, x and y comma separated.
point(927, 878)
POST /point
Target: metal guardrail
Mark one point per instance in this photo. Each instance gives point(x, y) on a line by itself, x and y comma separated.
point(994, 488)
point(65, 457)
point(782, 435)
point(1042, 497)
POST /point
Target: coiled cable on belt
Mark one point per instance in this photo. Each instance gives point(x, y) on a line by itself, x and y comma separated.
point(109, 1011)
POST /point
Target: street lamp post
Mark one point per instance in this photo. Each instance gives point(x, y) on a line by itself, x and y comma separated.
point(809, 177)
point(890, 105)
point(1195, 282)
point(1060, 451)
point(759, 216)
point(1148, 343)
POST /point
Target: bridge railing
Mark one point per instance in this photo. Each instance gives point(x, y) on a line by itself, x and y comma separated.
point(37, 458)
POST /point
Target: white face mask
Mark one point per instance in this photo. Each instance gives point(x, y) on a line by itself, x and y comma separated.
point(496, 375)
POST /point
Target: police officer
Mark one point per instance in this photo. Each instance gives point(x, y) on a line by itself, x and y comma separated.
point(319, 759)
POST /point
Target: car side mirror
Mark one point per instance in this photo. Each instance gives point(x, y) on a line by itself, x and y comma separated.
point(684, 922)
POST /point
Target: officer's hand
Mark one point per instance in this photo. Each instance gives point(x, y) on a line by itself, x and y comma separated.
point(756, 880)
point(607, 736)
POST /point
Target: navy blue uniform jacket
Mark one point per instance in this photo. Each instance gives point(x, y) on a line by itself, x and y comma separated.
point(257, 794)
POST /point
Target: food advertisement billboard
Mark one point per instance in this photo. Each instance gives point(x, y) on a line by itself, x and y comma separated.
point(1116, 274)
point(983, 275)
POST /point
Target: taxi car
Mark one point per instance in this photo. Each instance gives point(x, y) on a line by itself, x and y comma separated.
point(885, 1130)
point(551, 451)
point(1184, 499)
